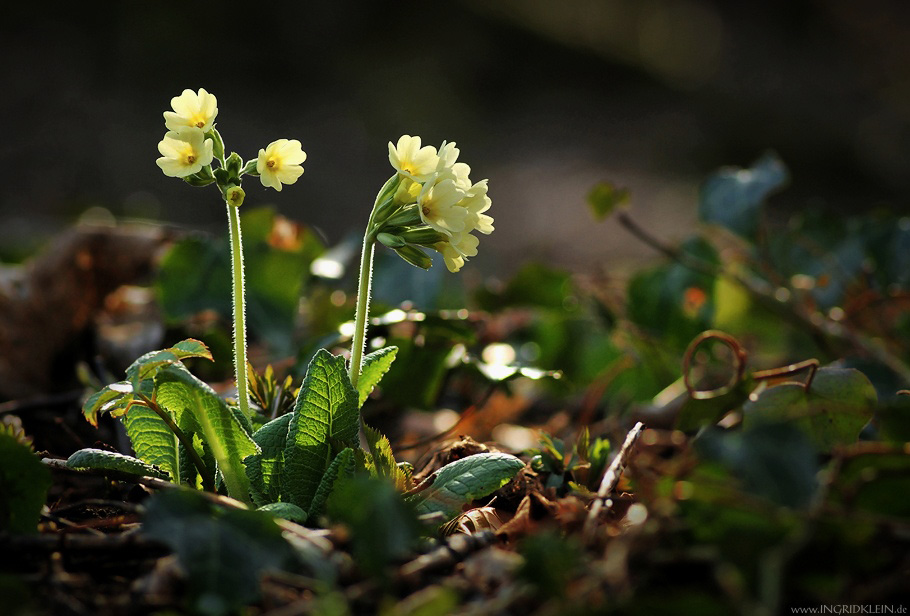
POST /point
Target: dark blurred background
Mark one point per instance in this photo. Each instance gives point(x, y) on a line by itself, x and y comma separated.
point(544, 98)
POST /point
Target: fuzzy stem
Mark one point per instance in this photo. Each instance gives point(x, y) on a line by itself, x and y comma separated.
point(366, 277)
point(243, 395)
point(363, 305)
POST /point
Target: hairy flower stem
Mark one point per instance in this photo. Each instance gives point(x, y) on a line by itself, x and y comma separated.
point(243, 390)
point(363, 306)
point(366, 276)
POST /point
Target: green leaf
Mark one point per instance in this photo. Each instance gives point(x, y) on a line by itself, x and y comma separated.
point(341, 468)
point(224, 552)
point(24, 482)
point(375, 365)
point(153, 442)
point(326, 409)
point(606, 197)
point(732, 197)
point(183, 394)
point(110, 399)
point(465, 480)
point(109, 460)
point(382, 458)
point(384, 527)
point(288, 511)
point(838, 404)
point(264, 468)
point(876, 481)
point(145, 366)
point(774, 460)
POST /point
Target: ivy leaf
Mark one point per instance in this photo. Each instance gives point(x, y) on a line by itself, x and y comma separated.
point(838, 404)
point(264, 468)
point(341, 468)
point(465, 480)
point(732, 197)
point(153, 442)
point(375, 365)
point(224, 552)
point(24, 482)
point(109, 460)
point(182, 393)
point(326, 409)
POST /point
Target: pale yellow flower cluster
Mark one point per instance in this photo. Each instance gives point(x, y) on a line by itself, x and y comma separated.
point(446, 199)
point(187, 148)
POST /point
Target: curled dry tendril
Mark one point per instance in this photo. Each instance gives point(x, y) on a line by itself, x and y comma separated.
point(739, 366)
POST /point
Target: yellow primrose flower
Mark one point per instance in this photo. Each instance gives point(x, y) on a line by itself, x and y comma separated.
point(438, 207)
point(280, 163)
point(408, 191)
point(196, 109)
point(184, 152)
point(453, 260)
point(455, 251)
point(411, 160)
point(476, 203)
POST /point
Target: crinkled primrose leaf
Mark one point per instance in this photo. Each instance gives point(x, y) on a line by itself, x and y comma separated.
point(182, 393)
point(465, 480)
point(326, 410)
point(341, 469)
point(375, 365)
point(109, 460)
point(264, 468)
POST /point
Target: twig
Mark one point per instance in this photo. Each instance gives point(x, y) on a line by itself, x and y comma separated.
point(760, 290)
point(127, 542)
point(611, 478)
point(456, 548)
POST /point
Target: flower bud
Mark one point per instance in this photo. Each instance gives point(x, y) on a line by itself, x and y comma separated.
point(203, 177)
point(217, 143)
point(392, 241)
point(415, 256)
point(222, 176)
point(235, 195)
point(409, 216)
point(250, 167)
point(424, 236)
point(233, 164)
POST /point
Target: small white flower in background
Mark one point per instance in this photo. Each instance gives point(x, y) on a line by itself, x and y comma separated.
point(438, 207)
point(411, 160)
point(196, 109)
point(184, 152)
point(280, 163)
